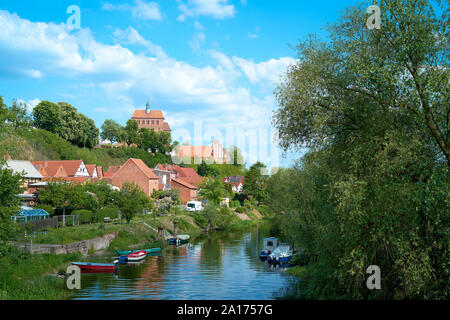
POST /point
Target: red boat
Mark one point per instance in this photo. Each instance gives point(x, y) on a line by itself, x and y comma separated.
point(137, 256)
point(87, 267)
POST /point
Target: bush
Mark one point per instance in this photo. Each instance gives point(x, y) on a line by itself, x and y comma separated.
point(241, 209)
point(86, 216)
point(101, 214)
point(263, 209)
point(247, 204)
point(235, 203)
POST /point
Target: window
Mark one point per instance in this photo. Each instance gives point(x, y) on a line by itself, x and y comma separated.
point(269, 243)
point(139, 121)
point(157, 121)
point(153, 121)
point(148, 121)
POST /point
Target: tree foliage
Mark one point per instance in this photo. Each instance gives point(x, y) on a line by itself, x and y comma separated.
point(372, 106)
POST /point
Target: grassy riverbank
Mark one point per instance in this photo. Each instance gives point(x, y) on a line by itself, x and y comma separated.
point(40, 277)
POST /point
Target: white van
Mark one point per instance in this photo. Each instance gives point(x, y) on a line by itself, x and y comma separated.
point(193, 206)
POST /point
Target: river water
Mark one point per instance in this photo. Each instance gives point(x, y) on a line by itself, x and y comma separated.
point(225, 266)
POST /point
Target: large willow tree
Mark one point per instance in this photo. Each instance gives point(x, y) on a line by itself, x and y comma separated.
point(373, 108)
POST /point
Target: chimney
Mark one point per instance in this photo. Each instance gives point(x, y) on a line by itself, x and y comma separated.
point(147, 107)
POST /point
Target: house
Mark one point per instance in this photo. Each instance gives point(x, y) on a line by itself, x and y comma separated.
point(100, 172)
point(165, 178)
point(151, 119)
point(187, 174)
point(73, 168)
point(92, 169)
point(111, 171)
point(236, 181)
point(135, 170)
point(210, 154)
point(188, 191)
point(27, 171)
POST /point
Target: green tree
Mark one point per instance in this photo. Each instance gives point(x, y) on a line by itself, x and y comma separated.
point(132, 201)
point(111, 130)
point(47, 116)
point(213, 190)
point(10, 185)
point(372, 106)
point(17, 116)
point(255, 180)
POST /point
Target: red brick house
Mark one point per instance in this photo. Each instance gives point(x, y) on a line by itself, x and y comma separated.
point(135, 170)
point(188, 191)
point(187, 174)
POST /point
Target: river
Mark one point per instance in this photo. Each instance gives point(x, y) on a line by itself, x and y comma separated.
point(225, 266)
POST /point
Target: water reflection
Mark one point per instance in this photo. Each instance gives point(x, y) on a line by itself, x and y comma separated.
point(221, 266)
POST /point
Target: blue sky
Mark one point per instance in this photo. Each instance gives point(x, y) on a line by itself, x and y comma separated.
point(216, 62)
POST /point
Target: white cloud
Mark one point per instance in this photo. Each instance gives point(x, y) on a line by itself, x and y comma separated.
point(198, 26)
point(30, 104)
point(217, 95)
point(196, 42)
point(218, 9)
point(141, 10)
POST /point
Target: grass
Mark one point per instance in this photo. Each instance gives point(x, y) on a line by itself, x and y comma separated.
point(31, 277)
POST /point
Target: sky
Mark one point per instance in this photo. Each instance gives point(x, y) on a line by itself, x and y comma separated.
point(211, 66)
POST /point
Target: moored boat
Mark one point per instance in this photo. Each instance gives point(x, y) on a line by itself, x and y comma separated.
point(137, 256)
point(127, 252)
point(88, 267)
point(269, 245)
point(180, 239)
point(281, 255)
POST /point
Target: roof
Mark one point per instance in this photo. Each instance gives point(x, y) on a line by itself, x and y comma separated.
point(190, 175)
point(184, 183)
point(33, 213)
point(52, 171)
point(75, 180)
point(70, 166)
point(143, 167)
point(20, 166)
point(111, 171)
point(234, 179)
point(90, 168)
point(153, 114)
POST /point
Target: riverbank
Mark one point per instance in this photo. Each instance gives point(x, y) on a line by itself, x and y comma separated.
point(41, 276)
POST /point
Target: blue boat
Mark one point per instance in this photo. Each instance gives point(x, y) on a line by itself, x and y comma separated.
point(281, 255)
point(127, 252)
point(269, 245)
point(180, 239)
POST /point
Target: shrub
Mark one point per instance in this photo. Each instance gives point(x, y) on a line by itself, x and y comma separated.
point(241, 210)
point(112, 213)
point(235, 203)
point(247, 204)
point(86, 216)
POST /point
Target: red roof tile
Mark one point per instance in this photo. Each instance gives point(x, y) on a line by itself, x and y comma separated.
point(184, 183)
point(70, 166)
point(154, 114)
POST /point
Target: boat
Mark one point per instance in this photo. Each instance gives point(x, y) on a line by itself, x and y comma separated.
point(127, 252)
point(136, 256)
point(269, 245)
point(281, 255)
point(180, 239)
point(88, 267)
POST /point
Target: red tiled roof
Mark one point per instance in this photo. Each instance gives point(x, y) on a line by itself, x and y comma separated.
point(70, 166)
point(90, 168)
point(143, 167)
point(184, 183)
point(100, 171)
point(190, 175)
point(154, 114)
point(52, 171)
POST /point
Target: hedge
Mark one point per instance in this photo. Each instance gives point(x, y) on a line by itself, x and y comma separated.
point(86, 216)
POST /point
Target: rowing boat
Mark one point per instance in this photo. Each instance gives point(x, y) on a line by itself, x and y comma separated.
point(127, 252)
point(88, 267)
point(137, 256)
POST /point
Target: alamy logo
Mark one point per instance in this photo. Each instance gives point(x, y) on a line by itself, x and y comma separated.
point(374, 280)
point(74, 280)
point(74, 21)
point(374, 21)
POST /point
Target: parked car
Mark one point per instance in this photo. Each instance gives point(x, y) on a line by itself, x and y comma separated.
point(193, 206)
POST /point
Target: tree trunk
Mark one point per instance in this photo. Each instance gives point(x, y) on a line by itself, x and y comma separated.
point(64, 217)
point(160, 233)
point(175, 228)
point(208, 226)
